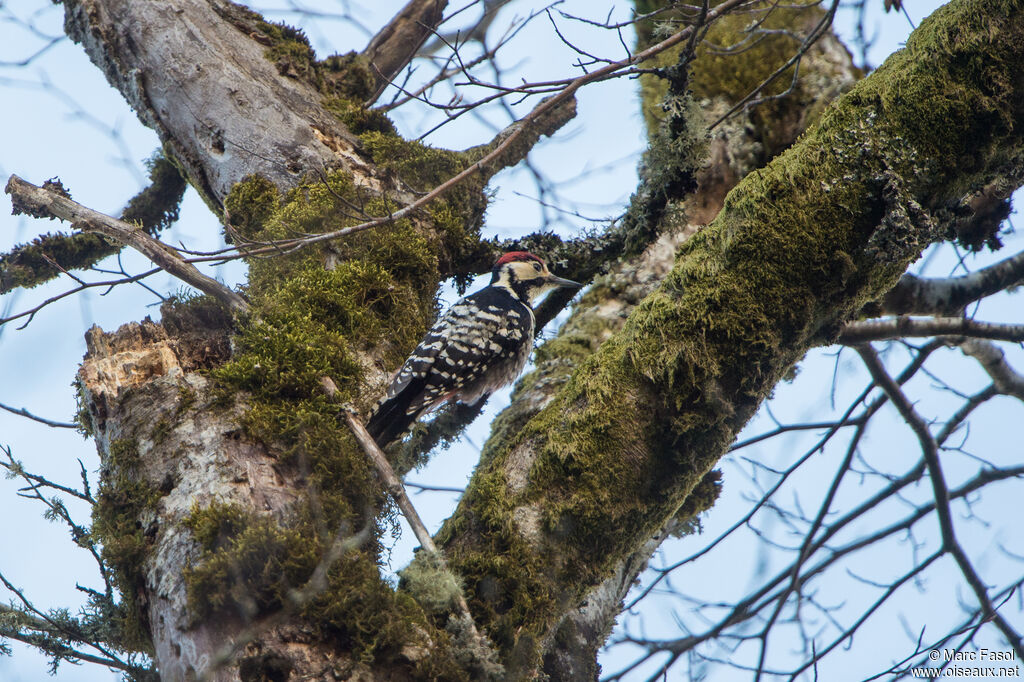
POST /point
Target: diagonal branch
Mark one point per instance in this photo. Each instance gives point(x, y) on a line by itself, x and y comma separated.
point(396, 44)
point(47, 256)
point(663, 397)
point(397, 491)
point(21, 411)
point(49, 202)
point(992, 359)
point(506, 149)
point(500, 152)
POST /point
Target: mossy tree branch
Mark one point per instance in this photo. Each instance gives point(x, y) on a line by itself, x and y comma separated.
point(155, 208)
point(52, 201)
point(735, 148)
point(798, 249)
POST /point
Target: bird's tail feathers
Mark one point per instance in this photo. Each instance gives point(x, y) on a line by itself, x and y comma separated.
point(389, 420)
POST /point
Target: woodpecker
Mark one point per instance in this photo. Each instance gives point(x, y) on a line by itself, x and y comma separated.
point(481, 344)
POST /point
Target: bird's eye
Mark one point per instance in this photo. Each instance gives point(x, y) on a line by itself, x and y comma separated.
point(536, 266)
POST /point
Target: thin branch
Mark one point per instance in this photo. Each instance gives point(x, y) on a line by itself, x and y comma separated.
point(940, 492)
point(54, 633)
point(507, 149)
point(846, 419)
point(421, 488)
point(447, 71)
point(902, 327)
point(947, 295)
point(392, 484)
point(48, 202)
point(749, 100)
point(108, 284)
point(750, 607)
point(21, 411)
point(550, 110)
point(397, 491)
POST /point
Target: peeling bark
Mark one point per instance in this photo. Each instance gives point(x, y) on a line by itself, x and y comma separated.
point(132, 381)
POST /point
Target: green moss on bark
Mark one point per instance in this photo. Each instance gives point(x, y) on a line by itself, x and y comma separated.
point(798, 248)
point(253, 564)
point(125, 505)
point(733, 60)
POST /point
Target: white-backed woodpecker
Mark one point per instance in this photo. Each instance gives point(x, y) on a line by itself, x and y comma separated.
point(481, 344)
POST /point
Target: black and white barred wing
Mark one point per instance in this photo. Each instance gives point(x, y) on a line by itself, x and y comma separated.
point(487, 340)
point(418, 365)
point(390, 417)
point(480, 344)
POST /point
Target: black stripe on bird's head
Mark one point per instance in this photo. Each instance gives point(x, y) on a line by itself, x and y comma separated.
point(526, 275)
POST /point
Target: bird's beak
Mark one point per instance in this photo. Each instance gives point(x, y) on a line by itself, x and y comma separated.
point(564, 283)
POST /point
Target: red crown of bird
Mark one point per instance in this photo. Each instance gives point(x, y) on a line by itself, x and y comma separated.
point(517, 256)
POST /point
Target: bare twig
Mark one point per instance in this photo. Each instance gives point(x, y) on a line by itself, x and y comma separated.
point(749, 100)
point(397, 491)
point(107, 284)
point(941, 494)
point(847, 419)
point(500, 150)
point(392, 484)
point(433, 488)
point(35, 482)
point(54, 637)
point(447, 71)
point(21, 411)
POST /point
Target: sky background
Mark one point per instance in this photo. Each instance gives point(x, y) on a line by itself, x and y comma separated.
point(60, 118)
